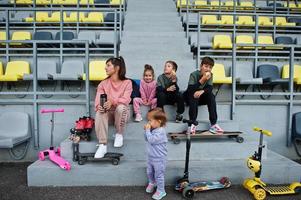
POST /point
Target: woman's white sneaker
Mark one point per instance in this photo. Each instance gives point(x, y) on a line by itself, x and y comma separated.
point(118, 142)
point(101, 151)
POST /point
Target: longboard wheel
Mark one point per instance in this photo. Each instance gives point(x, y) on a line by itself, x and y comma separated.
point(188, 192)
point(41, 156)
point(225, 181)
point(239, 139)
point(298, 190)
point(81, 161)
point(176, 140)
point(115, 161)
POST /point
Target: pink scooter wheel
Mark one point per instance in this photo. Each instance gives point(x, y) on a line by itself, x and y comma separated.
point(68, 167)
point(58, 151)
point(41, 156)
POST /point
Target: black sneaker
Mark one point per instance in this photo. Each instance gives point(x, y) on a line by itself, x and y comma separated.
point(179, 118)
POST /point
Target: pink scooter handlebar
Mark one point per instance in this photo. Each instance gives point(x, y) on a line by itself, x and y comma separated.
point(52, 110)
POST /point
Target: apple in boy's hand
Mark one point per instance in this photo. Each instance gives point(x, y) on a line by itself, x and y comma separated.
point(208, 75)
point(147, 126)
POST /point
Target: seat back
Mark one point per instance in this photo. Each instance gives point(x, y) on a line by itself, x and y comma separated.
point(97, 70)
point(244, 72)
point(245, 20)
point(21, 35)
point(46, 67)
point(87, 35)
point(1, 69)
point(284, 40)
point(20, 126)
point(17, 68)
point(222, 41)
point(268, 71)
point(41, 16)
point(2, 35)
point(72, 68)
point(67, 35)
point(265, 39)
point(218, 71)
point(244, 39)
point(42, 35)
point(209, 19)
point(286, 71)
point(227, 19)
point(264, 20)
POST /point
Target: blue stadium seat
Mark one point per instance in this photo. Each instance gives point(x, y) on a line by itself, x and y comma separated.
point(284, 40)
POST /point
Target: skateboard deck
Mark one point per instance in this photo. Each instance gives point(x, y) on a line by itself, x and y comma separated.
point(205, 134)
point(82, 158)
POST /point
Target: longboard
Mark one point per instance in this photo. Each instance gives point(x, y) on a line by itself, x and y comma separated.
point(82, 158)
point(176, 137)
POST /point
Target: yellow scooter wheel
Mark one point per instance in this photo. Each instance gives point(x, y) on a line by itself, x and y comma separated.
point(260, 194)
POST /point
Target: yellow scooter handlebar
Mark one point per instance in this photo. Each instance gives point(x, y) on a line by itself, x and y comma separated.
point(265, 132)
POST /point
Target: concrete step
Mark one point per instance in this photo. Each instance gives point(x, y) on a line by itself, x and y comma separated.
point(210, 149)
point(276, 169)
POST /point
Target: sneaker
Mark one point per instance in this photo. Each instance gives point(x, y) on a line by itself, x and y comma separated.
point(179, 118)
point(150, 188)
point(138, 118)
point(159, 195)
point(118, 142)
point(101, 151)
point(216, 129)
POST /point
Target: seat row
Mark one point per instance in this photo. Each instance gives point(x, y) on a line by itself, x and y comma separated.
point(225, 41)
point(91, 17)
point(245, 5)
point(245, 20)
point(105, 37)
point(47, 70)
point(69, 2)
point(266, 74)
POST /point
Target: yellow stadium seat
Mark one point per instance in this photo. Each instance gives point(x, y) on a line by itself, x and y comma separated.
point(55, 17)
point(246, 5)
point(40, 17)
point(264, 21)
point(43, 2)
point(70, 2)
point(297, 72)
point(73, 17)
point(229, 5)
point(266, 40)
point(200, 3)
point(245, 20)
point(85, 2)
point(20, 35)
point(94, 17)
point(15, 70)
point(215, 4)
point(222, 42)
point(182, 3)
point(210, 20)
point(227, 19)
point(1, 69)
point(97, 70)
point(219, 75)
point(59, 2)
point(3, 36)
point(281, 21)
point(244, 39)
point(116, 2)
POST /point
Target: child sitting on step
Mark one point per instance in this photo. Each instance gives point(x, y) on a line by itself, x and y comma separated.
point(156, 138)
point(168, 89)
point(147, 92)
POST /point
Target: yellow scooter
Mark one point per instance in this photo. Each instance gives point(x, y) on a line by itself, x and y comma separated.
point(255, 185)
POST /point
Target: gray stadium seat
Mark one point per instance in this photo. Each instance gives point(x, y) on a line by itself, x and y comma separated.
point(245, 76)
point(71, 71)
point(278, 5)
point(67, 35)
point(110, 17)
point(102, 1)
point(284, 40)
point(87, 35)
point(270, 74)
point(296, 20)
point(42, 35)
point(106, 38)
point(13, 134)
point(46, 70)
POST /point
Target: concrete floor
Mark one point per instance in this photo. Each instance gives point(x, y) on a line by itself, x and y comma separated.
point(13, 186)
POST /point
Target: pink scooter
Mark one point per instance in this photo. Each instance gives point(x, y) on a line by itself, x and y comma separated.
point(54, 155)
